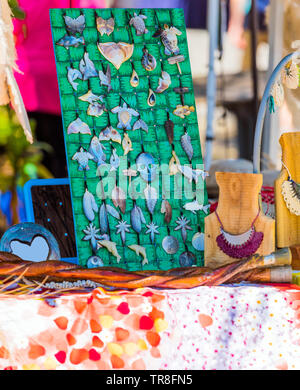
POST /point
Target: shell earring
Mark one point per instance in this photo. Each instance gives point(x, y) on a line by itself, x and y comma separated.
point(151, 100)
point(134, 79)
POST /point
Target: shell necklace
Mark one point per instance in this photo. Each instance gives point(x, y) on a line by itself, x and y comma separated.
point(291, 193)
point(239, 245)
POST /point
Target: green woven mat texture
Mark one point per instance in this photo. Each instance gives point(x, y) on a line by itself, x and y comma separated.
point(181, 190)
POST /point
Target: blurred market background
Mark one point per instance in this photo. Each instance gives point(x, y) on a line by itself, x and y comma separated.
point(232, 43)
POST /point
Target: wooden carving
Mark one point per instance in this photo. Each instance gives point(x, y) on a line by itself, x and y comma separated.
point(287, 223)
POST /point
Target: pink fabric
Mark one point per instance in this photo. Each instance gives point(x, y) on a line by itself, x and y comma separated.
point(38, 83)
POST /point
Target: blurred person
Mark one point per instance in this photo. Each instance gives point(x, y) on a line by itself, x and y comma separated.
point(38, 80)
point(238, 26)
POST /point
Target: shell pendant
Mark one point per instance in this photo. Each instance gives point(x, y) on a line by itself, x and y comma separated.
point(151, 98)
point(134, 79)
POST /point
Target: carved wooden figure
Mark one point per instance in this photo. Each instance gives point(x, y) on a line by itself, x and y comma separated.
point(238, 227)
point(287, 192)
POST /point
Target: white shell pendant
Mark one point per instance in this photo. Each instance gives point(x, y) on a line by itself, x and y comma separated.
point(278, 93)
point(89, 205)
point(82, 157)
point(187, 259)
point(198, 241)
point(291, 194)
point(151, 98)
point(78, 126)
point(74, 74)
point(170, 245)
point(134, 79)
point(186, 144)
point(151, 198)
point(163, 82)
point(126, 144)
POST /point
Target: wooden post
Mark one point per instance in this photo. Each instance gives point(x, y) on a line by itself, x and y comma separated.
point(287, 224)
point(237, 208)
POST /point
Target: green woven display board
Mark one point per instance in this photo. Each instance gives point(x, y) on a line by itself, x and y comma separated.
point(143, 250)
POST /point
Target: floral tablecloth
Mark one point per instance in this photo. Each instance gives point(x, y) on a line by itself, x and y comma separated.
point(224, 327)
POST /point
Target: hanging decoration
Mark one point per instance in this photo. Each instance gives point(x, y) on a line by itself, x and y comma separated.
point(291, 193)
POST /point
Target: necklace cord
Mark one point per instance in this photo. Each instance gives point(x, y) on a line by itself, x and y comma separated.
point(252, 224)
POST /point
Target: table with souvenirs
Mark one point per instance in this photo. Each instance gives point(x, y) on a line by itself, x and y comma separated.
point(127, 263)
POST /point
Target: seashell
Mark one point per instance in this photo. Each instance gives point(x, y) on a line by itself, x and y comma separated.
point(119, 198)
point(82, 157)
point(94, 262)
point(198, 241)
point(124, 115)
point(134, 79)
point(169, 39)
point(163, 82)
point(114, 160)
point(76, 25)
point(90, 97)
point(151, 100)
point(87, 67)
point(103, 219)
point(90, 206)
point(278, 93)
point(137, 218)
point(148, 61)
point(170, 245)
point(116, 53)
point(96, 109)
point(146, 166)
point(187, 259)
point(105, 26)
point(138, 23)
point(105, 78)
point(74, 74)
point(187, 145)
point(96, 150)
point(167, 210)
point(192, 174)
point(110, 134)
point(183, 111)
point(113, 212)
point(151, 198)
point(140, 124)
point(70, 41)
point(174, 164)
point(126, 144)
point(78, 126)
point(196, 206)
